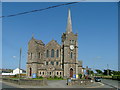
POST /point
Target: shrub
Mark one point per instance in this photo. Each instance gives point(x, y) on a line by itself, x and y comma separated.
point(60, 77)
point(116, 77)
point(40, 77)
point(80, 76)
point(55, 77)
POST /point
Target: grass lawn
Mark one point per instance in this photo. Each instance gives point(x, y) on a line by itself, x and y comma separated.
point(55, 79)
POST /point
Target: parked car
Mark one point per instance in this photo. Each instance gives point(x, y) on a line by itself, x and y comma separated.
point(97, 79)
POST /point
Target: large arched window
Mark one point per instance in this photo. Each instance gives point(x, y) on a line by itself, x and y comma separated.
point(57, 53)
point(52, 53)
point(47, 53)
point(71, 55)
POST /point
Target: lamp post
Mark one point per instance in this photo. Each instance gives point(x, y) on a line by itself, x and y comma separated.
point(20, 63)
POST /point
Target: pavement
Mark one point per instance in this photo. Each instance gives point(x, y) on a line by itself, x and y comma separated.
point(62, 84)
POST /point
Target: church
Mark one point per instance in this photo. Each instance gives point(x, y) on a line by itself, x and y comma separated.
point(54, 59)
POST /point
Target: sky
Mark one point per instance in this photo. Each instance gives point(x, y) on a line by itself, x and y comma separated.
point(95, 23)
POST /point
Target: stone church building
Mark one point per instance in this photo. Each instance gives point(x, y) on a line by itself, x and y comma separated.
point(54, 59)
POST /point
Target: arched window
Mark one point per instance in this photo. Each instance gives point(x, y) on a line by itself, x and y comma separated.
point(52, 53)
point(39, 55)
point(40, 73)
point(50, 73)
point(60, 73)
point(52, 63)
point(71, 55)
point(31, 55)
point(57, 54)
point(43, 73)
point(46, 63)
point(30, 71)
point(57, 73)
point(57, 63)
point(47, 53)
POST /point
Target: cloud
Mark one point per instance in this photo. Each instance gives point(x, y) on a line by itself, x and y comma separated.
point(14, 56)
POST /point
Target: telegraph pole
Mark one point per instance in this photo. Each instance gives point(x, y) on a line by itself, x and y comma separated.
point(20, 62)
point(107, 70)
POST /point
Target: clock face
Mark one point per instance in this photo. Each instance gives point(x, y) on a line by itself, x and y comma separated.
point(71, 47)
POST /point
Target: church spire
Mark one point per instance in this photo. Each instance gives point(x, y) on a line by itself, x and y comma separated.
point(69, 22)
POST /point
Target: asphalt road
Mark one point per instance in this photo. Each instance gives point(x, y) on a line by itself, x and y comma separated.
point(4, 85)
point(111, 83)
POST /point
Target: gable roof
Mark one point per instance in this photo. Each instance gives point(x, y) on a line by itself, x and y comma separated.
point(52, 42)
point(37, 41)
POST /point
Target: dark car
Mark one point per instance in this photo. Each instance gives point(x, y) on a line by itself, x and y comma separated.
point(97, 79)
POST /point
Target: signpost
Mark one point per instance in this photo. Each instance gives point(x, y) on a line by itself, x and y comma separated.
point(74, 76)
point(34, 75)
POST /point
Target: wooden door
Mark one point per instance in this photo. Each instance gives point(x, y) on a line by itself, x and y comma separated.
point(71, 72)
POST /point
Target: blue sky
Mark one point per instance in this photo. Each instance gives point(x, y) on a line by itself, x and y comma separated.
point(96, 24)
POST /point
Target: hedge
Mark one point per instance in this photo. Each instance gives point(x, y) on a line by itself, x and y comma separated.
point(116, 77)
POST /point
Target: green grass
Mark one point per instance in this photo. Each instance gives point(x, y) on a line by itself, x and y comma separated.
point(55, 79)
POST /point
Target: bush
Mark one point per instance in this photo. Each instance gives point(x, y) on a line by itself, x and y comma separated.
point(55, 77)
point(40, 77)
point(116, 77)
point(60, 77)
point(80, 76)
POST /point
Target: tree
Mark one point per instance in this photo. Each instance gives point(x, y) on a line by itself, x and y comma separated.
point(91, 72)
point(115, 72)
point(107, 72)
point(99, 71)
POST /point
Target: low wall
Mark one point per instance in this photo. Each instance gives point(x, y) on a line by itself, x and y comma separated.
point(105, 77)
point(26, 81)
point(80, 82)
point(8, 76)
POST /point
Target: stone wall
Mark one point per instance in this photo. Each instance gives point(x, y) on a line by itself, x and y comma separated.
point(80, 82)
point(26, 81)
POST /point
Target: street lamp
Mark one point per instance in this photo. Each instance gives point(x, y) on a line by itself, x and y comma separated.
point(20, 63)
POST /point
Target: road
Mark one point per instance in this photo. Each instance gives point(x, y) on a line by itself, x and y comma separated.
point(62, 84)
point(4, 85)
point(111, 83)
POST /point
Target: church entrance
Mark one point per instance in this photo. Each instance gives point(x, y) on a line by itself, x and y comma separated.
point(71, 72)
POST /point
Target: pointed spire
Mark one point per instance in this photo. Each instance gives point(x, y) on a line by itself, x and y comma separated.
point(69, 22)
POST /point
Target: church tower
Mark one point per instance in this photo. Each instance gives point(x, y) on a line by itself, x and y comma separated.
point(69, 50)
